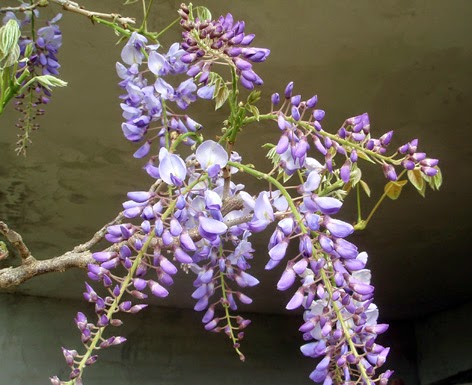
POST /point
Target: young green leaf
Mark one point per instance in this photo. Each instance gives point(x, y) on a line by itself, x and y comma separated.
point(254, 111)
point(437, 179)
point(363, 155)
point(221, 94)
point(253, 97)
point(203, 13)
point(9, 48)
point(365, 187)
point(49, 81)
point(356, 175)
point(416, 179)
point(394, 189)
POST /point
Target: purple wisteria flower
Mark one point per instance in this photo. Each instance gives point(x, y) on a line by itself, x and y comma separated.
point(212, 157)
point(172, 169)
point(145, 103)
point(133, 51)
point(169, 63)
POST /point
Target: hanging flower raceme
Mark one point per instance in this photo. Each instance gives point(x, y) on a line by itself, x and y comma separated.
point(334, 289)
point(145, 103)
point(208, 41)
point(38, 55)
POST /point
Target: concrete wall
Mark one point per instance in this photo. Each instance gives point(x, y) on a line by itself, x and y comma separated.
point(445, 346)
point(165, 347)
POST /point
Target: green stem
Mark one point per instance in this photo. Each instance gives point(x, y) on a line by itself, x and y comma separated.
point(143, 26)
point(309, 127)
point(228, 317)
point(14, 89)
point(114, 306)
point(224, 136)
point(381, 199)
point(235, 124)
point(125, 32)
point(166, 28)
point(275, 182)
point(328, 189)
point(32, 23)
point(358, 192)
point(340, 318)
point(182, 138)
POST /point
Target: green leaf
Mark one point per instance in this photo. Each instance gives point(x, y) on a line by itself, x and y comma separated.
point(254, 97)
point(272, 155)
point(9, 49)
point(127, 2)
point(356, 175)
point(394, 189)
point(437, 179)
point(363, 155)
point(12, 58)
point(203, 13)
point(9, 35)
point(221, 93)
point(416, 179)
point(254, 111)
point(365, 187)
point(286, 177)
point(28, 50)
point(49, 81)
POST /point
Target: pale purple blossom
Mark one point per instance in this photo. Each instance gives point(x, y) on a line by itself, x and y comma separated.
point(172, 169)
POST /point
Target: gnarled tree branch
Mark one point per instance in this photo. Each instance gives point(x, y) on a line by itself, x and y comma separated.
point(24, 8)
point(14, 276)
point(81, 255)
point(76, 8)
point(30, 267)
point(16, 240)
point(72, 6)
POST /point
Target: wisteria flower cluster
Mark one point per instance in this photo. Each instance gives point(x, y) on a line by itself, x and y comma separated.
point(208, 41)
point(37, 56)
point(352, 140)
point(196, 218)
point(145, 104)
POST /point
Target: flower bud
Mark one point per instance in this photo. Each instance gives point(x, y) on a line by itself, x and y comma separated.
point(288, 90)
point(318, 114)
point(275, 99)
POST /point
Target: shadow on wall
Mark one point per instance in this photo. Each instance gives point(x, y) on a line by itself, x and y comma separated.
point(165, 346)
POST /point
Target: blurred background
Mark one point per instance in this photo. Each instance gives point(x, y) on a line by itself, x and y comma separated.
point(405, 62)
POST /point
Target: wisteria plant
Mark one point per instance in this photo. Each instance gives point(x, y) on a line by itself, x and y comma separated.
point(195, 216)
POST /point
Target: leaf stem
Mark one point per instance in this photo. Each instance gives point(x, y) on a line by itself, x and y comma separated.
point(160, 33)
point(358, 193)
point(377, 205)
point(228, 318)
